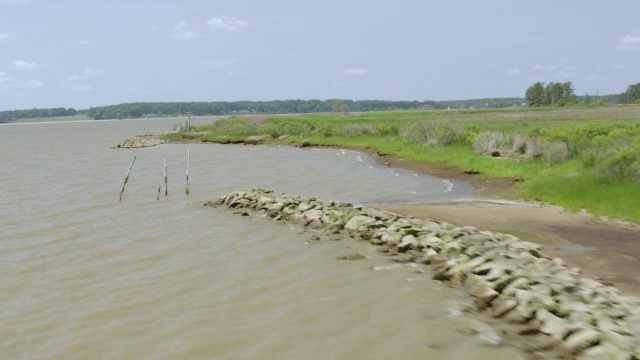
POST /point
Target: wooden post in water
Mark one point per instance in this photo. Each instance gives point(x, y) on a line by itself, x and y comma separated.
point(159, 187)
point(166, 190)
point(126, 178)
point(188, 160)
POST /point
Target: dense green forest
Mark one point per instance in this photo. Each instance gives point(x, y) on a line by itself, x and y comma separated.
point(137, 110)
point(13, 115)
point(162, 109)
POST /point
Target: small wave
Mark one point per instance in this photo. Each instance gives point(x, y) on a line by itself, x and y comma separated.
point(449, 185)
point(380, 268)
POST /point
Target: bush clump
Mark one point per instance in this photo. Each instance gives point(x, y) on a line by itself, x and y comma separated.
point(555, 152)
point(429, 133)
point(351, 130)
point(515, 146)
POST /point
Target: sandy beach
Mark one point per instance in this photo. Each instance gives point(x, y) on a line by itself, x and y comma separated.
point(604, 249)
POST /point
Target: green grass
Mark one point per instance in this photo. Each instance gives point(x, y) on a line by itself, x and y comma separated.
point(617, 199)
point(570, 184)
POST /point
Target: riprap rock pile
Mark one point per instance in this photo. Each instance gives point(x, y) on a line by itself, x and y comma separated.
point(140, 141)
point(507, 277)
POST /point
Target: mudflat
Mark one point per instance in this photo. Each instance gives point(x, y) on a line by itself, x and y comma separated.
point(604, 249)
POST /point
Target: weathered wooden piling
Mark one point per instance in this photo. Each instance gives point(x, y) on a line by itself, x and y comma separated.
point(188, 160)
point(166, 189)
point(126, 178)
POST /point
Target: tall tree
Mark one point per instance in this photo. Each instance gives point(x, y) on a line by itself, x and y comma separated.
point(632, 95)
point(535, 95)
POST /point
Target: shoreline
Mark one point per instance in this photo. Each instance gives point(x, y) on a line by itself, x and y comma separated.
point(605, 249)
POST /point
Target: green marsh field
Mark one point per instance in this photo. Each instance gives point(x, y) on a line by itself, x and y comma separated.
point(576, 157)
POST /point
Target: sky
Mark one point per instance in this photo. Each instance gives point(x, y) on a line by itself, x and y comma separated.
point(85, 53)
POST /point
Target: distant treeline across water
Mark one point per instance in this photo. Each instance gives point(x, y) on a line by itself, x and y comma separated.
point(165, 109)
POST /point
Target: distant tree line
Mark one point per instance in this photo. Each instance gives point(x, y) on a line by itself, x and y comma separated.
point(539, 94)
point(480, 103)
point(562, 94)
point(137, 110)
point(13, 115)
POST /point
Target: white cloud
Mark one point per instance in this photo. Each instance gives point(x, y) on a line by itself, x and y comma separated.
point(4, 36)
point(182, 32)
point(90, 71)
point(563, 74)
point(4, 77)
point(545, 67)
point(86, 73)
point(355, 71)
point(563, 61)
point(629, 43)
point(337, 84)
point(515, 71)
point(85, 42)
point(186, 35)
point(226, 23)
point(618, 66)
point(25, 65)
point(35, 84)
point(219, 64)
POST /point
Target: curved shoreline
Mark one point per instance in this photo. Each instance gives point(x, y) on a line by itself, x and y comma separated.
point(553, 308)
point(604, 248)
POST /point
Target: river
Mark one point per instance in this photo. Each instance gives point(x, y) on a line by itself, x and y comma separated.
point(87, 276)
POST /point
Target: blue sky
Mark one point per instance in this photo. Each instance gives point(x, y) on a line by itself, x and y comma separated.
point(57, 53)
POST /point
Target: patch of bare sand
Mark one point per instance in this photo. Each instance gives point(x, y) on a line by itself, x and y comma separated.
point(604, 250)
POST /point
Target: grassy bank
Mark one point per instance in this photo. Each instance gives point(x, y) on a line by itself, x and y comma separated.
point(580, 158)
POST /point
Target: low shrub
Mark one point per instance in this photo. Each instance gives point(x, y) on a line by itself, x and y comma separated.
point(351, 130)
point(493, 143)
point(555, 152)
point(469, 134)
point(616, 155)
point(527, 147)
point(515, 146)
point(429, 133)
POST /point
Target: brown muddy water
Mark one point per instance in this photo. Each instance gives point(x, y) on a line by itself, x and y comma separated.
point(85, 276)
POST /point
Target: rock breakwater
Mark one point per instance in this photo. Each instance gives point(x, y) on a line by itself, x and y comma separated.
point(565, 312)
point(140, 141)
